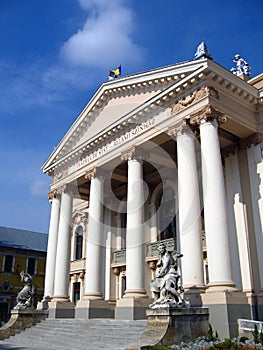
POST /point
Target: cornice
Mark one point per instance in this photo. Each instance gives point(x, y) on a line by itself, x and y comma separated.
point(153, 78)
point(179, 85)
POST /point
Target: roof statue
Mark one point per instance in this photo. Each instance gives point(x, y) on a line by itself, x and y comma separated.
point(202, 52)
point(242, 66)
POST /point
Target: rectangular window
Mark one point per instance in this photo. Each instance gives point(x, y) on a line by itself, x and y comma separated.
point(76, 292)
point(31, 264)
point(8, 263)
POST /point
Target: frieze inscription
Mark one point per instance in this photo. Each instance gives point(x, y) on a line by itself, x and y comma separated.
point(111, 145)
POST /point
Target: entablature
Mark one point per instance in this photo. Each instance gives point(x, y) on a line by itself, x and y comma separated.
point(208, 83)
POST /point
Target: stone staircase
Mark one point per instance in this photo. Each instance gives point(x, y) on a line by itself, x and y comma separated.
point(74, 334)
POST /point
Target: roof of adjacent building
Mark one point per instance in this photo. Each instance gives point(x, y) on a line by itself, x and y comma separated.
point(23, 239)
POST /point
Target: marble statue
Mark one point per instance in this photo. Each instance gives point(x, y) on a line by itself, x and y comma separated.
point(242, 66)
point(25, 296)
point(166, 286)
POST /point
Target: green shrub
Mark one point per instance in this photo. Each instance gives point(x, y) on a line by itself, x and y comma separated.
point(255, 334)
point(243, 339)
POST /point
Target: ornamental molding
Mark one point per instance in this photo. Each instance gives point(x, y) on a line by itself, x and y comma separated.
point(59, 175)
point(208, 113)
point(172, 131)
point(133, 153)
point(90, 174)
point(51, 195)
point(129, 154)
point(204, 91)
point(79, 218)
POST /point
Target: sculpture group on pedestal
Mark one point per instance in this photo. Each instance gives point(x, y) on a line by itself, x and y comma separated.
point(25, 296)
point(166, 286)
point(242, 67)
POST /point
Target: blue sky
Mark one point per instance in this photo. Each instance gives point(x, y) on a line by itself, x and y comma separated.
point(55, 54)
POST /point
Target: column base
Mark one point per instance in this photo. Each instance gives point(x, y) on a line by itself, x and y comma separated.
point(225, 308)
point(193, 295)
point(61, 309)
point(43, 304)
point(132, 308)
point(94, 308)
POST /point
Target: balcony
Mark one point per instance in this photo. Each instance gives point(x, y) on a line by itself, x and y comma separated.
point(119, 256)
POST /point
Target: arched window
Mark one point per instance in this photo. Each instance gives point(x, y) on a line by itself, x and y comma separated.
point(79, 242)
point(167, 222)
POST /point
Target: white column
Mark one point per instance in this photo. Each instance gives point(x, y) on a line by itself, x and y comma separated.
point(118, 232)
point(63, 249)
point(153, 223)
point(93, 287)
point(108, 254)
point(189, 211)
point(216, 226)
point(52, 247)
point(134, 232)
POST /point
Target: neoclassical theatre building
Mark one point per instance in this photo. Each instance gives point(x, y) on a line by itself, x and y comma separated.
point(172, 154)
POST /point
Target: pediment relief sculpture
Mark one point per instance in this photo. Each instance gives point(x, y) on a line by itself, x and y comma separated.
point(193, 97)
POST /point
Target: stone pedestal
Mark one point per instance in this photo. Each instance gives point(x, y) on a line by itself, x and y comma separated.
point(21, 319)
point(97, 308)
point(225, 308)
point(132, 308)
point(61, 309)
point(169, 326)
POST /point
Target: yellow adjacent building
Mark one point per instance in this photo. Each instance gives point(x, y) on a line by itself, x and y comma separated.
point(20, 250)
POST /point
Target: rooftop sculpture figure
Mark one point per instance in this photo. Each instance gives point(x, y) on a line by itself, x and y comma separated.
point(202, 51)
point(166, 286)
point(242, 66)
point(25, 296)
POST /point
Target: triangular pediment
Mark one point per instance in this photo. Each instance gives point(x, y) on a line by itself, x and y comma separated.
point(118, 98)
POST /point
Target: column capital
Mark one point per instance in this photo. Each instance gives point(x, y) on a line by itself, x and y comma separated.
point(90, 174)
point(206, 114)
point(52, 194)
point(132, 153)
point(67, 189)
point(179, 127)
point(95, 172)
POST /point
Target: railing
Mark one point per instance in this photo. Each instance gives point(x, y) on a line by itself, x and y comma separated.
point(152, 247)
point(119, 256)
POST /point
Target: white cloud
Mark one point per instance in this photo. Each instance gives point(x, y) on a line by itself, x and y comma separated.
point(105, 38)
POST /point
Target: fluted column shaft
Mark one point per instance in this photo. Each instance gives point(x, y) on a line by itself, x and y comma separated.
point(134, 231)
point(189, 210)
point(52, 247)
point(93, 287)
point(63, 248)
point(215, 210)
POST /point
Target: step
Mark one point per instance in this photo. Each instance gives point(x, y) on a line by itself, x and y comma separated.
point(57, 334)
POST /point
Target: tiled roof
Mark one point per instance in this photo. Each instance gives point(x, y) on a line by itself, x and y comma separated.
point(23, 239)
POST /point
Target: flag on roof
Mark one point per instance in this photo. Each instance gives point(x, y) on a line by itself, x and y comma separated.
point(115, 73)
